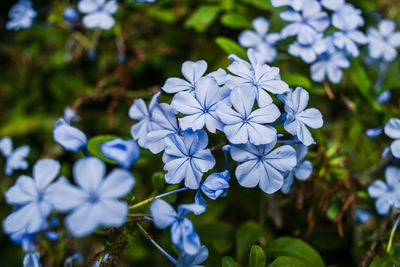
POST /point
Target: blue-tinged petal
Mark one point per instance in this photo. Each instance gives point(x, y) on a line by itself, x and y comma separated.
point(176, 168)
point(303, 170)
point(386, 27)
point(213, 123)
point(312, 117)
point(88, 173)
point(186, 103)
point(83, 220)
point(392, 175)
point(260, 134)
point(89, 6)
point(32, 259)
point(186, 260)
point(199, 199)
point(237, 133)
point(17, 159)
point(261, 25)
point(334, 73)
point(377, 189)
point(287, 182)
point(111, 212)
point(163, 214)
point(318, 71)
point(44, 172)
point(193, 71)
point(266, 114)
point(70, 138)
point(394, 40)
point(249, 38)
point(174, 85)
point(242, 99)
point(300, 98)
point(175, 145)
point(271, 180)
point(392, 128)
point(395, 148)
point(6, 146)
point(190, 240)
point(289, 15)
point(245, 152)
point(27, 218)
point(138, 111)
point(383, 206)
point(117, 184)
point(23, 191)
point(227, 115)
point(192, 176)
point(249, 173)
point(111, 7)
point(64, 196)
point(333, 5)
point(304, 134)
point(301, 151)
point(184, 209)
point(216, 185)
point(219, 75)
point(282, 158)
point(125, 152)
point(203, 160)
point(193, 122)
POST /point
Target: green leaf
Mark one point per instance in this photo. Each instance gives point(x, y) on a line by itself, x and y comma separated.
point(229, 262)
point(246, 236)
point(257, 257)
point(296, 80)
point(231, 47)
point(360, 78)
point(94, 147)
point(235, 20)
point(287, 262)
point(164, 15)
point(333, 211)
point(262, 4)
point(158, 180)
point(202, 17)
point(296, 248)
point(382, 262)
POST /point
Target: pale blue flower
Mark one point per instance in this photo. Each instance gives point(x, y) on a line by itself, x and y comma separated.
point(186, 157)
point(192, 71)
point(259, 39)
point(98, 13)
point(70, 115)
point(31, 196)
point(32, 260)
point(308, 53)
point(70, 15)
point(383, 43)
point(329, 64)
point(26, 240)
point(164, 116)
point(295, 4)
point(243, 124)
point(298, 117)
point(302, 170)
point(125, 152)
point(187, 260)
point(200, 107)
point(21, 15)
point(138, 111)
point(362, 215)
point(96, 201)
point(183, 234)
point(307, 25)
point(375, 132)
point(259, 76)
point(392, 129)
point(384, 97)
point(216, 185)
point(15, 159)
point(349, 41)
point(70, 138)
point(386, 193)
point(345, 16)
point(260, 165)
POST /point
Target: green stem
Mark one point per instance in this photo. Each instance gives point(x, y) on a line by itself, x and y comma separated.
point(389, 246)
point(146, 201)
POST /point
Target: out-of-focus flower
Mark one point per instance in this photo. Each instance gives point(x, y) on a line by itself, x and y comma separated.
point(392, 129)
point(125, 152)
point(383, 43)
point(21, 15)
point(70, 138)
point(15, 159)
point(98, 13)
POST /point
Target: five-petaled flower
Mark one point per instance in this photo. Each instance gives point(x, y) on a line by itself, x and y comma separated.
point(15, 159)
point(98, 13)
point(21, 15)
point(383, 43)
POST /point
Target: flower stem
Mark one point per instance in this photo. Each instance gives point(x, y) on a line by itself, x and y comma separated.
point(146, 201)
point(389, 246)
point(288, 142)
point(148, 237)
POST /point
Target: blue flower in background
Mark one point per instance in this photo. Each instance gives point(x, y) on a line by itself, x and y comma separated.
point(375, 132)
point(70, 15)
point(298, 117)
point(187, 260)
point(192, 71)
point(15, 160)
point(95, 202)
point(200, 107)
point(138, 111)
point(70, 138)
point(183, 234)
point(31, 196)
point(259, 76)
point(186, 157)
point(329, 64)
point(384, 97)
point(383, 43)
point(21, 15)
point(98, 13)
point(302, 170)
point(216, 185)
point(32, 259)
point(307, 25)
point(349, 41)
point(125, 152)
point(260, 165)
point(386, 194)
point(362, 215)
point(70, 115)
point(243, 124)
point(164, 116)
point(259, 39)
point(392, 129)
point(77, 256)
point(295, 4)
point(345, 16)
point(308, 53)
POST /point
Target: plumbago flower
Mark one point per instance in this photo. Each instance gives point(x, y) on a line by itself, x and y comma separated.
point(216, 185)
point(70, 138)
point(200, 107)
point(307, 25)
point(192, 71)
point(298, 116)
point(183, 234)
point(260, 165)
point(243, 124)
point(125, 152)
point(383, 43)
point(95, 202)
point(392, 129)
point(98, 13)
point(302, 170)
point(259, 40)
point(386, 194)
point(308, 53)
point(185, 157)
point(15, 160)
point(259, 76)
point(31, 196)
point(21, 15)
point(138, 111)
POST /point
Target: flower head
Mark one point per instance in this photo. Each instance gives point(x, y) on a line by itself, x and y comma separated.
point(243, 124)
point(21, 15)
point(15, 160)
point(70, 138)
point(98, 13)
point(125, 152)
point(216, 185)
point(386, 194)
point(345, 16)
point(186, 157)
point(183, 234)
point(349, 41)
point(94, 202)
point(310, 52)
point(383, 43)
point(260, 165)
point(298, 116)
point(392, 129)
point(31, 196)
